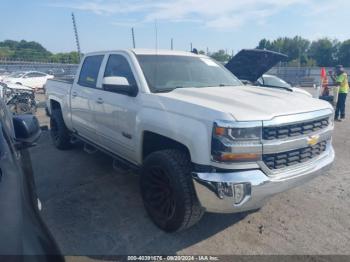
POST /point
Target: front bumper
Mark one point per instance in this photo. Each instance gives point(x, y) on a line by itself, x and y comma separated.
point(259, 186)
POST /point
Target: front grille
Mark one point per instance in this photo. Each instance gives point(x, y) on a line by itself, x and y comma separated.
point(281, 132)
point(290, 158)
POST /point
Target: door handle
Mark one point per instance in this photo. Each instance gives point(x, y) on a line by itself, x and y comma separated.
point(99, 100)
point(74, 94)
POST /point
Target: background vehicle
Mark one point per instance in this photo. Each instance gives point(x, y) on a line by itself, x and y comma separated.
point(274, 81)
point(201, 139)
point(20, 99)
point(33, 79)
point(22, 231)
point(250, 66)
point(3, 73)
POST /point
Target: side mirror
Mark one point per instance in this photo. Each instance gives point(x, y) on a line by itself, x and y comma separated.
point(118, 84)
point(27, 130)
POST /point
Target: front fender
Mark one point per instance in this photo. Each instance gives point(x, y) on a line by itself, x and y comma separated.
point(192, 133)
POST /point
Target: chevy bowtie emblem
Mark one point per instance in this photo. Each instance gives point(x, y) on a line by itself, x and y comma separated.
point(313, 140)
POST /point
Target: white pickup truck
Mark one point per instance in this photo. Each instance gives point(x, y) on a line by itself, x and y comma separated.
point(201, 140)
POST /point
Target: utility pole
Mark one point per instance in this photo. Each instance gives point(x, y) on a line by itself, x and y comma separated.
point(172, 44)
point(133, 37)
point(76, 35)
point(191, 47)
point(207, 51)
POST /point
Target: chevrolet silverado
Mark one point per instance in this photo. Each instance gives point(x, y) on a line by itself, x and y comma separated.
point(202, 141)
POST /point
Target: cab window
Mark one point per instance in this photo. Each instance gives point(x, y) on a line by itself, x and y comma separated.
point(89, 71)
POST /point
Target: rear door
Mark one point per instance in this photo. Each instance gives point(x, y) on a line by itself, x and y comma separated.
point(115, 113)
point(83, 95)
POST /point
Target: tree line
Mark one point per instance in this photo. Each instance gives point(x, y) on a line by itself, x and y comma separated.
point(33, 51)
point(322, 52)
point(300, 51)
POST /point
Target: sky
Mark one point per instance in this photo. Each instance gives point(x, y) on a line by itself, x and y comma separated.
point(212, 24)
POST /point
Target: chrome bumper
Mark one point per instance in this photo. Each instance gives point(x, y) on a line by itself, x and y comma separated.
point(214, 190)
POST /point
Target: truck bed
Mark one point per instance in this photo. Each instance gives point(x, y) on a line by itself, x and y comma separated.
point(58, 89)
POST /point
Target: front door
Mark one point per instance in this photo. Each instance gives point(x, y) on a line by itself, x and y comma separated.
point(115, 113)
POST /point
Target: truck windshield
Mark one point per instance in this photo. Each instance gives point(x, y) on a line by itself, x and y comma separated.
point(165, 73)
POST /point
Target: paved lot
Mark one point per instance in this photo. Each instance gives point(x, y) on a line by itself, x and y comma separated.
point(92, 209)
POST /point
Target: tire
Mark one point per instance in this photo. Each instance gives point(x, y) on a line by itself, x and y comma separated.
point(60, 135)
point(168, 192)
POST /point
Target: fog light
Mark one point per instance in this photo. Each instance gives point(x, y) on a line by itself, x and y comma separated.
point(239, 190)
point(224, 189)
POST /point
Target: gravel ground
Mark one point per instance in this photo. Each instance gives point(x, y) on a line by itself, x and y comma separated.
point(93, 209)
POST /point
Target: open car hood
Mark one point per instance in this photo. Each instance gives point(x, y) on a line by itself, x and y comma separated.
point(251, 64)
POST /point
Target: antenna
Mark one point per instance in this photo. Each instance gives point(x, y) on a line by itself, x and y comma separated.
point(172, 44)
point(156, 33)
point(76, 35)
point(133, 37)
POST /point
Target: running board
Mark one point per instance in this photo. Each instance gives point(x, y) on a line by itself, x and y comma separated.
point(89, 149)
point(118, 162)
point(121, 164)
point(74, 140)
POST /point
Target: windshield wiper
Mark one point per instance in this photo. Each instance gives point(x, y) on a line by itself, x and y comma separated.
point(281, 87)
point(165, 90)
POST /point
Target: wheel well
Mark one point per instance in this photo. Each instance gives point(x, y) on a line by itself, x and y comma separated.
point(55, 105)
point(153, 142)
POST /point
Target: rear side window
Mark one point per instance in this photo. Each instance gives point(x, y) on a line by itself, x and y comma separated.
point(89, 71)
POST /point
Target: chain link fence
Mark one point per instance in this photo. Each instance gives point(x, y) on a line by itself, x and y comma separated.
point(301, 76)
point(297, 76)
point(57, 69)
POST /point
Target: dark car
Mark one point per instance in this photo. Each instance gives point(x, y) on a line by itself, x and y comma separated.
point(22, 231)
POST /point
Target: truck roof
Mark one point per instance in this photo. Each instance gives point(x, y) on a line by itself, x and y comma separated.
point(139, 51)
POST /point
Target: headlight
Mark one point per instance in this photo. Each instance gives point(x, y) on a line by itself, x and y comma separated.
point(236, 141)
point(239, 134)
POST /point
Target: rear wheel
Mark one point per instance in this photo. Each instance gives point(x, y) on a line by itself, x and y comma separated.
point(167, 191)
point(60, 134)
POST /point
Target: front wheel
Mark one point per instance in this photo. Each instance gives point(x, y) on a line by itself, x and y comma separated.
point(168, 192)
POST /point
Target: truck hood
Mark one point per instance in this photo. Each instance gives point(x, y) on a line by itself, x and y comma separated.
point(251, 64)
point(248, 103)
